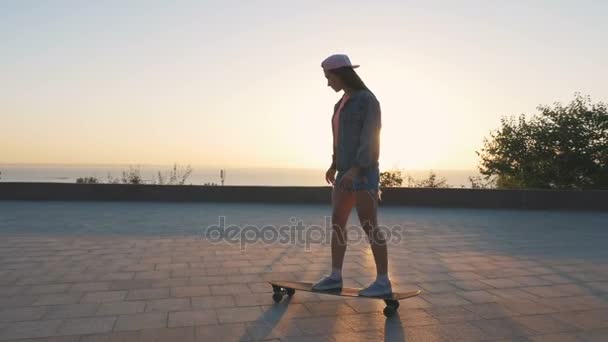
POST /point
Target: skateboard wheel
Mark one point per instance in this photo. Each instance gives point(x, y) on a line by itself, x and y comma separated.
point(290, 292)
point(277, 297)
point(389, 311)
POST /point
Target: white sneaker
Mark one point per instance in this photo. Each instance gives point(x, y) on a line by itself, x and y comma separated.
point(377, 289)
point(327, 283)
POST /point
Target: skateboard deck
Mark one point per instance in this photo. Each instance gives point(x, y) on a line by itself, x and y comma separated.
point(281, 288)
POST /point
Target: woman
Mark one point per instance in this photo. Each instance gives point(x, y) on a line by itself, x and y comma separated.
point(356, 130)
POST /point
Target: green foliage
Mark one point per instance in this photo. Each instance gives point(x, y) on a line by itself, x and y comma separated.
point(391, 179)
point(132, 176)
point(111, 180)
point(431, 182)
point(176, 176)
point(478, 183)
point(563, 147)
point(87, 180)
point(395, 179)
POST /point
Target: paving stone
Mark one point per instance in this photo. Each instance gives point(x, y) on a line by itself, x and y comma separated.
point(429, 333)
point(48, 288)
point(321, 325)
point(90, 287)
point(191, 318)
point(30, 313)
point(471, 285)
point(30, 329)
point(143, 294)
point(222, 333)
point(594, 335)
point(371, 336)
point(6, 291)
point(58, 298)
point(491, 310)
point(414, 317)
point(104, 297)
point(131, 284)
point(590, 319)
point(90, 325)
point(528, 308)
point(190, 291)
point(558, 337)
point(117, 276)
point(501, 283)
point(477, 297)
point(544, 324)
point(267, 331)
point(445, 299)
point(71, 310)
point(284, 311)
point(207, 280)
point(485, 275)
point(503, 328)
point(230, 289)
point(513, 294)
point(452, 314)
point(364, 322)
point(181, 334)
point(544, 291)
point(329, 309)
point(147, 320)
point(168, 304)
point(438, 287)
point(121, 308)
point(212, 302)
point(252, 299)
point(238, 315)
point(462, 332)
point(123, 336)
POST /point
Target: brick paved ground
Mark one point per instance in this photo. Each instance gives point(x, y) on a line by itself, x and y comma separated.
point(142, 272)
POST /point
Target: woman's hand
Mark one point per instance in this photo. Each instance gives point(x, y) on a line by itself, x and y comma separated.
point(330, 175)
point(346, 182)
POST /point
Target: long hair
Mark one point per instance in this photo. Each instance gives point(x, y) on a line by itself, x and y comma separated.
point(350, 78)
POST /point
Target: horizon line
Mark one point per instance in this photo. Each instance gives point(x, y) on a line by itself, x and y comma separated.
point(211, 166)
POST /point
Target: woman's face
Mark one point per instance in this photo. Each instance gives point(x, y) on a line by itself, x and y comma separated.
point(333, 81)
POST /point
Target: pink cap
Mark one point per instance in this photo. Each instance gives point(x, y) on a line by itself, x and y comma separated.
point(337, 61)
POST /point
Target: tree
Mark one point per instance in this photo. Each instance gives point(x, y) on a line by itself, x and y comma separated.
point(478, 183)
point(133, 176)
point(391, 179)
point(395, 179)
point(432, 182)
point(562, 147)
point(176, 176)
point(87, 180)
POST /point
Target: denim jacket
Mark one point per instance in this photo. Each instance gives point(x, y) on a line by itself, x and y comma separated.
point(358, 133)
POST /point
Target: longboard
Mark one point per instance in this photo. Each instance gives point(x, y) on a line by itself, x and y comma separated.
point(281, 288)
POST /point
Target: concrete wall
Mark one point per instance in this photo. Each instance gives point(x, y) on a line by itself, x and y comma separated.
point(464, 198)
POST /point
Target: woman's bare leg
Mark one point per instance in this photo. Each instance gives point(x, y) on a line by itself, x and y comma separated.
point(367, 210)
point(342, 205)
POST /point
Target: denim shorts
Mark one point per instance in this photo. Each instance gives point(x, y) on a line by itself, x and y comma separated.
point(369, 179)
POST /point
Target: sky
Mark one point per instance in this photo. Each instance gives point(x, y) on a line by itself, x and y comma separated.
point(239, 83)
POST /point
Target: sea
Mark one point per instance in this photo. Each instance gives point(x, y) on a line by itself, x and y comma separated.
point(201, 175)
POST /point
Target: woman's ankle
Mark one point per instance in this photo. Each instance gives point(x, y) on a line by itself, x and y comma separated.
point(336, 273)
point(382, 278)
